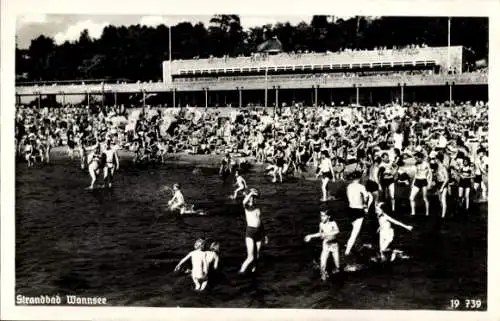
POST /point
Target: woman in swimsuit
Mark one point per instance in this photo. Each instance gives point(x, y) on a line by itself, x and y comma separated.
point(465, 182)
point(325, 170)
point(255, 233)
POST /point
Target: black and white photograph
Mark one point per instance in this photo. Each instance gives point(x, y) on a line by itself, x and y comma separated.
point(228, 160)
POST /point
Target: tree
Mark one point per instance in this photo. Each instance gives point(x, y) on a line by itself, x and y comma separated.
point(136, 52)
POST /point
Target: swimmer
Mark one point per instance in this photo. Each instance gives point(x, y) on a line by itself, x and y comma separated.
point(423, 179)
point(359, 203)
point(240, 184)
point(177, 202)
point(328, 231)
point(386, 232)
point(199, 271)
point(112, 163)
point(255, 232)
point(325, 169)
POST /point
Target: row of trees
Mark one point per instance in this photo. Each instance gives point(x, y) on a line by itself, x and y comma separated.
point(136, 52)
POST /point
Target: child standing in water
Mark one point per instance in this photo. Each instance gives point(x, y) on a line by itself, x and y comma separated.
point(328, 231)
point(199, 272)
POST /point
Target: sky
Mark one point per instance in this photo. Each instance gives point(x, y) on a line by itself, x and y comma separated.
point(68, 27)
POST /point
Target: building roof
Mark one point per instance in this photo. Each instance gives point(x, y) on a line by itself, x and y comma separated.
point(271, 45)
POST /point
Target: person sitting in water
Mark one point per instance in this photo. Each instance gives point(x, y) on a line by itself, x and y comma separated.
point(177, 202)
point(328, 231)
point(241, 185)
point(386, 232)
point(199, 271)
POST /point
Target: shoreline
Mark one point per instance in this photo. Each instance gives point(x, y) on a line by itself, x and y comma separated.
point(211, 160)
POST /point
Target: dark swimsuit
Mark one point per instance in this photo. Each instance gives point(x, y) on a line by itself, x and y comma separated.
point(465, 182)
point(255, 233)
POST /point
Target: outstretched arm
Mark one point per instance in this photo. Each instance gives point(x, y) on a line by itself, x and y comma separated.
point(394, 221)
point(312, 236)
point(187, 257)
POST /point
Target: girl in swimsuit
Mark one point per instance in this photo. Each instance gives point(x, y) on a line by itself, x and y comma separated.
point(464, 184)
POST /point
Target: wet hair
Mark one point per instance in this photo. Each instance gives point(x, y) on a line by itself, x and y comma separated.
point(199, 244)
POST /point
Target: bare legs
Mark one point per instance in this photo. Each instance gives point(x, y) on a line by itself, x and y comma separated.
point(413, 194)
point(356, 227)
point(253, 251)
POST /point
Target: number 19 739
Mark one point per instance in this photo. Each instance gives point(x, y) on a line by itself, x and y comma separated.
point(472, 304)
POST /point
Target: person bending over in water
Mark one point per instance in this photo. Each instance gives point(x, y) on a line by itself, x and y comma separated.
point(199, 271)
point(386, 233)
point(328, 231)
point(241, 185)
point(255, 233)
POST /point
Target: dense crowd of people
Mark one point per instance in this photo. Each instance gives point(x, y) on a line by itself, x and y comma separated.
point(434, 150)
